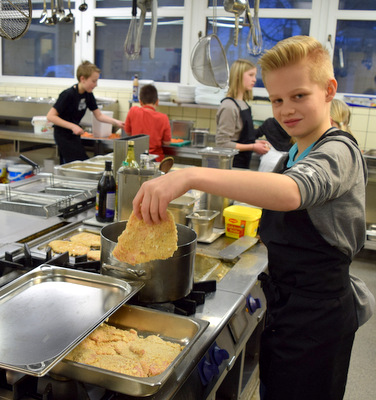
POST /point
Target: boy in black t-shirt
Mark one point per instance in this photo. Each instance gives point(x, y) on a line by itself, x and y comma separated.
point(70, 108)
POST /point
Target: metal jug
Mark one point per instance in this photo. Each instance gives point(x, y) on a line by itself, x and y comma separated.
point(221, 158)
point(129, 182)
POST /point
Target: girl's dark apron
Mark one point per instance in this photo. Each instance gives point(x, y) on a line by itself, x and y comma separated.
point(311, 317)
point(247, 135)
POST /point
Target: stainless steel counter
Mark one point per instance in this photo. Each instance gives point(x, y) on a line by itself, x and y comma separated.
point(24, 134)
point(16, 227)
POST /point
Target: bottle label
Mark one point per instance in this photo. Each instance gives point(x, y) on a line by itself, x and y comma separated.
point(110, 205)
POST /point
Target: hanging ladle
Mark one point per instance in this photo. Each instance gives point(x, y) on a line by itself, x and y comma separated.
point(83, 7)
point(53, 19)
point(237, 7)
point(60, 13)
point(69, 17)
point(43, 16)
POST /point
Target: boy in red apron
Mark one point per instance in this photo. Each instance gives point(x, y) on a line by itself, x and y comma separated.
point(313, 224)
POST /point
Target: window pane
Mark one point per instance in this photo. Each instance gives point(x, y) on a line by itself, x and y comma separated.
point(128, 3)
point(273, 30)
point(277, 3)
point(354, 56)
point(46, 51)
point(110, 35)
point(357, 5)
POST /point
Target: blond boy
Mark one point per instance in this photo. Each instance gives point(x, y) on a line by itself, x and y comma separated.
point(69, 109)
point(313, 223)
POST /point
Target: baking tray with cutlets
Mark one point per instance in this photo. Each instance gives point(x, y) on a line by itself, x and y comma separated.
point(41, 245)
point(49, 310)
point(171, 327)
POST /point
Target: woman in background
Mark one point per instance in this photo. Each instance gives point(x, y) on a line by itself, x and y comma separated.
point(235, 128)
point(340, 115)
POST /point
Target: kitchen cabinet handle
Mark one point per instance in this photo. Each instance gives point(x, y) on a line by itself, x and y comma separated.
point(88, 33)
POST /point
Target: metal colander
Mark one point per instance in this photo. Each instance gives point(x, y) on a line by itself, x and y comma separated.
point(15, 18)
point(208, 59)
point(209, 62)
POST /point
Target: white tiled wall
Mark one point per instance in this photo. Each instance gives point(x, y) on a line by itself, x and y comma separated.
point(363, 120)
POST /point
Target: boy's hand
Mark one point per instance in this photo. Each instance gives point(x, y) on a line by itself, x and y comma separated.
point(120, 124)
point(77, 130)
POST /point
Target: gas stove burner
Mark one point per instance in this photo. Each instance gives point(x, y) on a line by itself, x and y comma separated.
point(13, 266)
point(187, 305)
point(26, 387)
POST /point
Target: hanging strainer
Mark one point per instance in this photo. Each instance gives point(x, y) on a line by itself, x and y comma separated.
point(208, 59)
point(15, 18)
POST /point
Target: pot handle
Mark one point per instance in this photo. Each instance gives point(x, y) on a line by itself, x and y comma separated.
point(136, 273)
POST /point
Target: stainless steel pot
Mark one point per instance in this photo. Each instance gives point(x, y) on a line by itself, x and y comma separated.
point(165, 280)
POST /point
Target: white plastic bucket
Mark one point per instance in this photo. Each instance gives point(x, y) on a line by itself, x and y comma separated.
point(17, 172)
point(102, 129)
point(41, 125)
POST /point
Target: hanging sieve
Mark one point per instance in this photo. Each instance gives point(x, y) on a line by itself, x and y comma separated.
point(15, 18)
point(208, 59)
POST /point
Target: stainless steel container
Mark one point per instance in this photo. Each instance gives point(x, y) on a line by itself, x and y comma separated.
point(175, 328)
point(218, 157)
point(199, 137)
point(181, 207)
point(181, 129)
point(141, 144)
point(202, 222)
point(129, 182)
point(165, 280)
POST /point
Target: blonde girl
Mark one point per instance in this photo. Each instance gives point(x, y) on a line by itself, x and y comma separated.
point(234, 117)
point(340, 115)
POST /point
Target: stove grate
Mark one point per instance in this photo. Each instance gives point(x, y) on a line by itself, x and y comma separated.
point(187, 305)
point(12, 266)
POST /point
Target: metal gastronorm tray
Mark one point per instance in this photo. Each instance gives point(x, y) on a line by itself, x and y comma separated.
point(57, 185)
point(81, 169)
point(45, 313)
point(43, 205)
point(171, 327)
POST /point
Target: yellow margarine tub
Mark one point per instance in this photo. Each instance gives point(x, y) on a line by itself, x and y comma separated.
point(241, 221)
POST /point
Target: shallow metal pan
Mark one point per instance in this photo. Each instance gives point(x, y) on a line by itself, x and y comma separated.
point(45, 313)
point(171, 327)
point(39, 246)
point(81, 169)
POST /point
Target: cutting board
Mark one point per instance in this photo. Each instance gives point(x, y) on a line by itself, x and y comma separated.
point(179, 144)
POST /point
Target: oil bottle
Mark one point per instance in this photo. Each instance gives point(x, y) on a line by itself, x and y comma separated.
point(105, 202)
